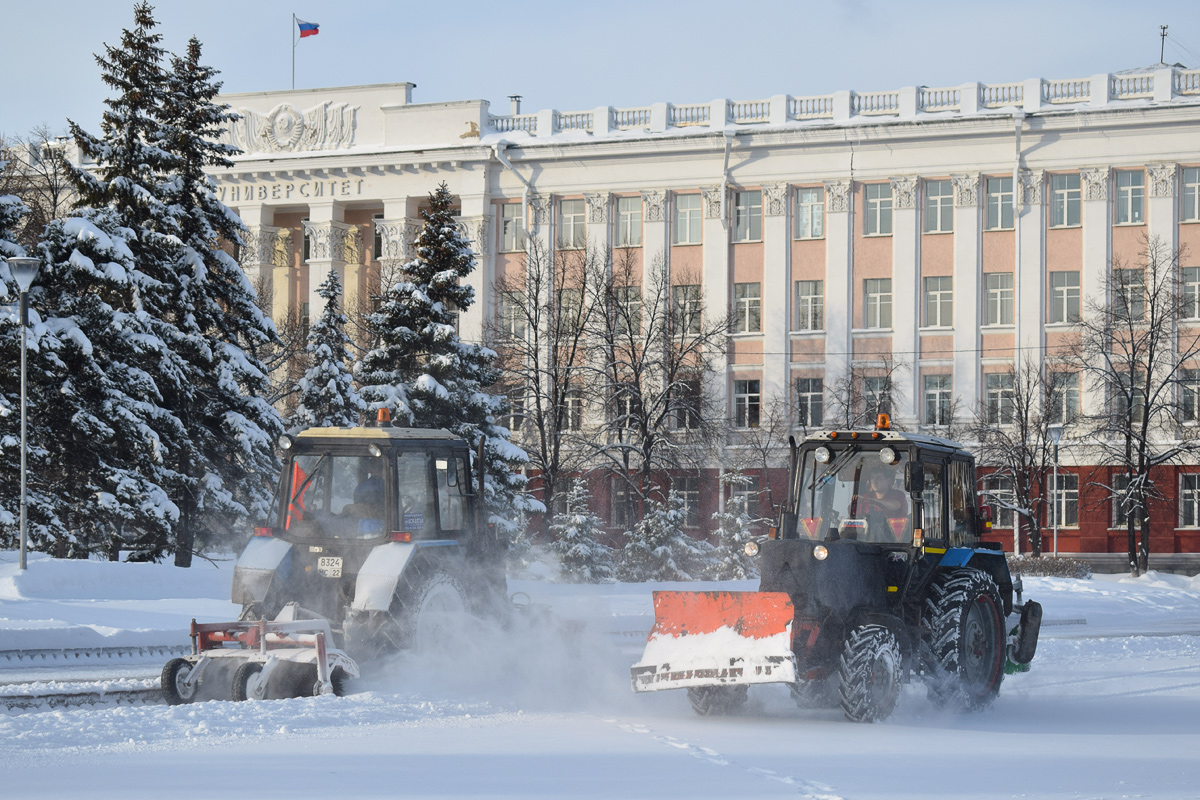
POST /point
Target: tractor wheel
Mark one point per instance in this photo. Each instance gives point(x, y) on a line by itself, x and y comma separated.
point(430, 609)
point(246, 682)
point(716, 701)
point(338, 678)
point(964, 634)
point(869, 674)
point(814, 694)
point(175, 689)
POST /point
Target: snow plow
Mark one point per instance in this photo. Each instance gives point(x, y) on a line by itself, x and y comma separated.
point(376, 533)
point(875, 573)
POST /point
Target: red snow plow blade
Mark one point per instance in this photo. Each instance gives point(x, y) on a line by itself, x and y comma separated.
point(717, 639)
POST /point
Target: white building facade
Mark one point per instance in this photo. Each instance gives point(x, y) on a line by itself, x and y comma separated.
point(952, 231)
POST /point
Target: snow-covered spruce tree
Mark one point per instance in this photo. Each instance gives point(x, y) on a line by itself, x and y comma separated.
point(327, 395)
point(577, 531)
point(226, 465)
point(730, 561)
point(426, 376)
point(657, 549)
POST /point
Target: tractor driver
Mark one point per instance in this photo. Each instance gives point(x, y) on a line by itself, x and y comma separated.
point(879, 502)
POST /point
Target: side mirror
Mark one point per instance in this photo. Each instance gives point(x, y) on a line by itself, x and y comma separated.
point(914, 477)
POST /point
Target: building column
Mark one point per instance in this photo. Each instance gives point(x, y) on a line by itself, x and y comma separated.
point(654, 226)
point(906, 299)
point(1031, 278)
point(598, 234)
point(968, 266)
point(775, 293)
point(256, 253)
point(326, 232)
point(1096, 216)
point(1161, 207)
point(839, 283)
point(715, 270)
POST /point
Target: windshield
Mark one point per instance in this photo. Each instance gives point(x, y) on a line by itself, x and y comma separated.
point(336, 497)
point(853, 495)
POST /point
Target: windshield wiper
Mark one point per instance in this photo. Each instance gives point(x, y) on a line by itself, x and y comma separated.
point(834, 466)
point(311, 474)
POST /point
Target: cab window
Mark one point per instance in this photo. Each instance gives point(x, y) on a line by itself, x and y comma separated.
point(414, 513)
point(961, 498)
point(452, 505)
point(935, 523)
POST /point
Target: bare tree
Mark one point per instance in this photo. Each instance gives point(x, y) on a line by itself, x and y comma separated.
point(285, 359)
point(1012, 429)
point(763, 446)
point(865, 390)
point(34, 171)
point(652, 349)
point(540, 331)
point(1136, 355)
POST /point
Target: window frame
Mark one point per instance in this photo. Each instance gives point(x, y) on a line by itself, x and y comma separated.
point(747, 216)
point(809, 312)
point(809, 394)
point(629, 222)
point(1000, 397)
point(809, 213)
point(1189, 192)
point(747, 308)
point(1066, 200)
point(877, 303)
point(1065, 304)
point(747, 403)
point(1066, 499)
point(999, 298)
point(939, 207)
point(1064, 398)
point(1193, 501)
point(578, 224)
point(1000, 204)
point(877, 209)
point(1130, 198)
point(512, 228)
point(694, 217)
point(939, 399)
point(941, 298)
point(687, 308)
point(1189, 281)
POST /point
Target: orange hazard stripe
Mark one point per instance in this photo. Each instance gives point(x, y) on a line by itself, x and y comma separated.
point(755, 615)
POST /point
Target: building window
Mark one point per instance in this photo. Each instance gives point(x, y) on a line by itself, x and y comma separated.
point(688, 403)
point(810, 213)
point(1189, 390)
point(515, 420)
point(377, 244)
point(1131, 197)
point(1190, 195)
point(622, 502)
point(687, 219)
point(572, 224)
point(810, 305)
point(746, 404)
point(998, 298)
point(627, 407)
point(1066, 500)
point(1129, 293)
point(1190, 288)
point(747, 307)
point(1189, 501)
point(306, 248)
point(629, 309)
point(1120, 485)
point(685, 300)
point(939, 302)
point(512, 228)
point(1000, 398)
point(939, 206)
point(573, 409)
point(747, 216)
point(1064, 297)
point(1000, 499)
point(878, 306)
point(938, 400)
point(1064, 398)
point(810, 402)
point(1065, 196)
point(687, 489)
point(513, 314)
point(877, 395)
point(1129, 397)
point(570, 312)
point(748, 491)
point(999, 204)
point(629, 222)
point(877, 221)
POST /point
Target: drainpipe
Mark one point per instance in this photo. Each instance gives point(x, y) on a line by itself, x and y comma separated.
point(1018, 121)
point(498, 150)
point(729, 135)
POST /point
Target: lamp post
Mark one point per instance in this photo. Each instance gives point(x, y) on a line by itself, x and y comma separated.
point(1055, 432)
point(24, 271)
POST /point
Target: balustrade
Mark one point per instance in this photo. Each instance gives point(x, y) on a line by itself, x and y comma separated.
point(938, 99)
point(574, 121)
point(999, 95)
point(1130, 87)
point(1187, 82)
point(744, 111)
point(628, 118)
point(820, 107)
point(682, 116)
point(1068, 91)
point(875, 103)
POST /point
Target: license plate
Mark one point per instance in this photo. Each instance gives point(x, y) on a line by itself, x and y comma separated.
point(330, 566)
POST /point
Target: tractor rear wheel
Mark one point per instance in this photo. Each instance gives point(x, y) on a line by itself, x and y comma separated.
point(246, 680)
point(716, 701)
point(175, 688)
point(869, 674)
point(964, 632)
point(430, 609)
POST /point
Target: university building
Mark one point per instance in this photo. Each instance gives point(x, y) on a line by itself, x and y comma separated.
point(950, 231)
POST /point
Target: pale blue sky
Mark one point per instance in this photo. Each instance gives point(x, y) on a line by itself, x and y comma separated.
point(573, 55)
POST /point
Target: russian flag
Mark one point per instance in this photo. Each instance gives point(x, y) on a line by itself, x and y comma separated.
point(308, 28)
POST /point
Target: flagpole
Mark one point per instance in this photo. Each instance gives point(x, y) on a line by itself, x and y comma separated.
point(293, 37)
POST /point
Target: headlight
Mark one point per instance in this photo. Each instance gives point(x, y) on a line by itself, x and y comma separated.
point(374, 450)
point(286, 441)
point(888, 456)
point(751, 549)
point(822, 455)
point(820, 552)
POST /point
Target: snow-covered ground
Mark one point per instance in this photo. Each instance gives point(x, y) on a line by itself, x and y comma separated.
point(1110, 710)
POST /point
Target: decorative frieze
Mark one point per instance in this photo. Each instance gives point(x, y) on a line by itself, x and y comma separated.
point(1030, 186)
point(966, 190)
point(774, 199)
point(286, 129)
point(904, 192)
point(1095, 183)
point(837, 196)
point(597, 205)
point(1162, 179)
point(713, 207)
point(655, 206)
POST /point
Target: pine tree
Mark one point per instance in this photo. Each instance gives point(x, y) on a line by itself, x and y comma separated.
point(730, 561)
point(327, 395)
point(425, 375)
point(577, 543)
point(226, 464)
point(12, 210)
point(657, 549)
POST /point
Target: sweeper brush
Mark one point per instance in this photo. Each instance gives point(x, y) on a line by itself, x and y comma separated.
point(260, 659)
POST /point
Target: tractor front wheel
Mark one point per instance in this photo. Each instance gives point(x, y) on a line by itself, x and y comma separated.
point(175, 687)
point(964, 632)
point(716, 701)
point(869, 674)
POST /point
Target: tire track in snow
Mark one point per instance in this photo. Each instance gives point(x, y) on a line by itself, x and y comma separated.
point(811, 790)
point(1124, 676)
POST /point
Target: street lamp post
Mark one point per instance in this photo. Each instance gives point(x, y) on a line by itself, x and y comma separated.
point(24, 271)
point(1055, 432)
